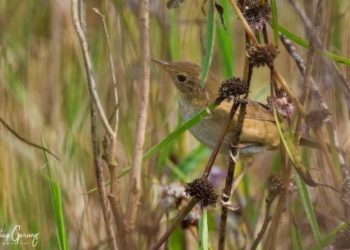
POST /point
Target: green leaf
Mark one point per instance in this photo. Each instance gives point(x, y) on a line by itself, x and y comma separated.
point(181, 129)
point(210, 38)
point(293, 37)
point(292, 151)
point(300, 41)
point(203, 235)
point(327, 239)
point(192, 159)
point(296, 239)
point(274, 21)
point(177, 171)
point(310, 214)
point(56, 199)
point(225, 40)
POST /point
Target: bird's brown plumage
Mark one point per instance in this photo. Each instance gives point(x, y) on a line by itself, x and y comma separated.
point(259, 128)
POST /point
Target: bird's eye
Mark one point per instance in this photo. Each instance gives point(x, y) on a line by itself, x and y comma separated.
point(181, 78)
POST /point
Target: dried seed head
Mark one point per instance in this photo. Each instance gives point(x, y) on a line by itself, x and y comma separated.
point(232, 88)
point(275, 184)
point(255, 13)
point(317, 117)
point(203, 190)
point(172, 196)
point(282, 103)
point(262, 54)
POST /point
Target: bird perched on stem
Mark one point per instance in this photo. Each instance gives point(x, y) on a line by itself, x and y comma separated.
point(259, 131)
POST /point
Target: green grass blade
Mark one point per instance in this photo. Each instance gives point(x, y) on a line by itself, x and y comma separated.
point(225, 40)
point(174, 39)
point(327, 239)
point(174, 135)
point(292, 150)
point(192, 159)
point(210, 38)
point(177, 171)
point(310, 214)
point(296, 239)
point(300, 41)
point(56, 199)
point(293, 37)
point(301, 175)
point(274, 21)
point(203, 235)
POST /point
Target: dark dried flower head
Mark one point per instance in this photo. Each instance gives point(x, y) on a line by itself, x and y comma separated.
point(317, 117)
point(274, 185)
point(262, 54)
point(203, 190)
point(232, 88)
point(255, 13)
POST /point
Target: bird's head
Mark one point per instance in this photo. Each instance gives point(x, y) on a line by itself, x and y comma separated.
point(186, 77)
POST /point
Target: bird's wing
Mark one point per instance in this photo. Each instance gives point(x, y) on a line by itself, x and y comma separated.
point(255, 110)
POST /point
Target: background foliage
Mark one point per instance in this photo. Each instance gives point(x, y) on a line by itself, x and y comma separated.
point(44, 95)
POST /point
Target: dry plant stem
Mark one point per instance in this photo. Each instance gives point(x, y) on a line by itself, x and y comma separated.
point(226, 198)
point(182, 214)
point(234, 152)
point(112, 164)
point(313, 36)
point(306, 89)
point(24, 140)
point(118, 218)
point(273, 232)
point(344, 169)
point(88, 67)
point(112, 67)
point(108, 217)
point(266, 222)
point(78, 16)
point(218, 144)
point(205, 175)
point(230, 176)
point(301, 66)
point(135, 177)
point(330, 126)
point(277, 75)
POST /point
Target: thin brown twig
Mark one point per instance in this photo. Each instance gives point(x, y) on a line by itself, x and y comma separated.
point(269, 200)
point(330, 126)
point(78, 14)
point(179, 218)
point(24, 140)
point(114, 197)
point(277, 75)
point(219, 142)
point(234, 152)
point(88, 66)
point(135, 177)
point(306, 83)
point(112, 68)
point(318, 43)
point(205, 175)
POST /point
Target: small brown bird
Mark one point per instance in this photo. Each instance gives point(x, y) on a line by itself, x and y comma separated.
point(259, 131)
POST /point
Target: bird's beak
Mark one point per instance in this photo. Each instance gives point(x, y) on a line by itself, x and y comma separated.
point(162, 64)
